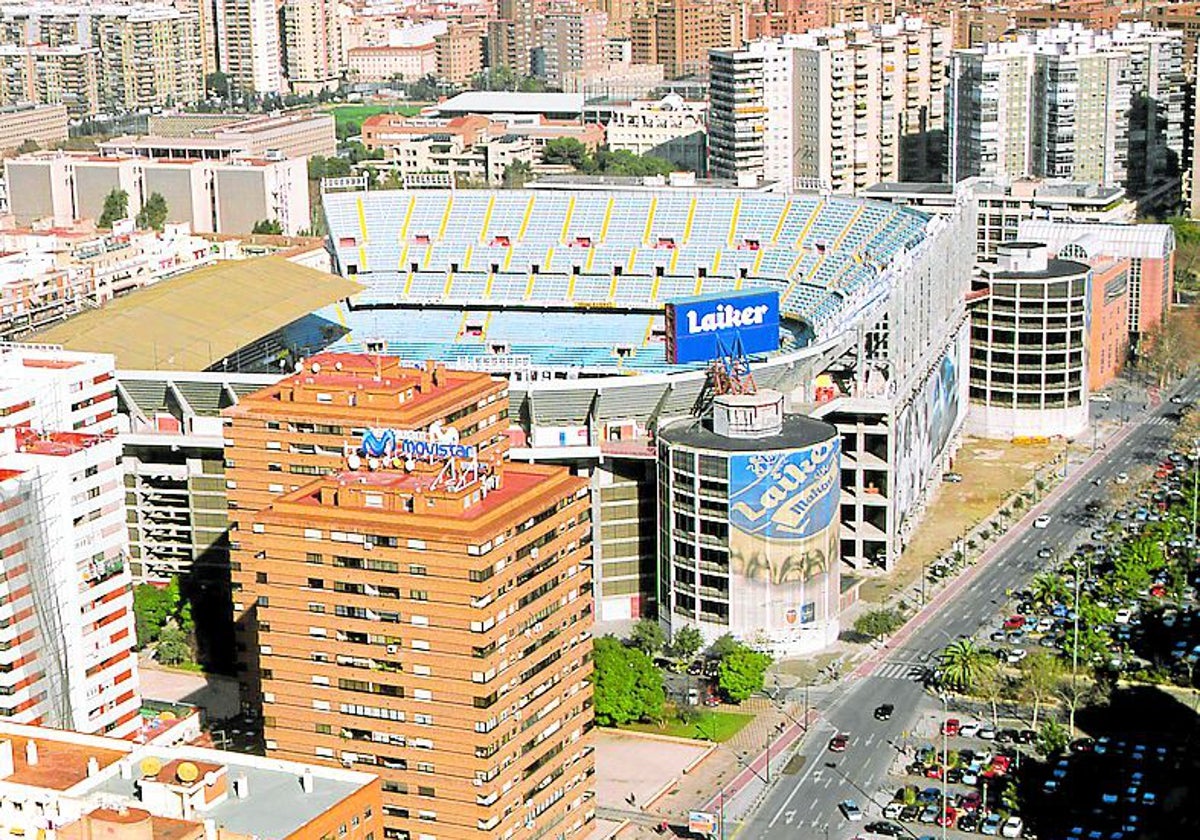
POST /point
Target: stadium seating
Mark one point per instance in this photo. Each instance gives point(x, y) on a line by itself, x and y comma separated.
point(508, 256)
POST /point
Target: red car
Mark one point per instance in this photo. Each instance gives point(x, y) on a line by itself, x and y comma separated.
point(970, 802)
point(934, 771)
point(838, 742)
point(999, 767)
point(1014, 622)
point(948, 817)
point(951, 726)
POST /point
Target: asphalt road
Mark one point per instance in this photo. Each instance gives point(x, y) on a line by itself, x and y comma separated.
point(804, 805)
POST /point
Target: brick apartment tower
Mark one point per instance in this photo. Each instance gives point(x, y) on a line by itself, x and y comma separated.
point(426, 619)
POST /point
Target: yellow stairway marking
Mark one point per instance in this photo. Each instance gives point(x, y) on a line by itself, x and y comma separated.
point(687, 227)
point(487, 218)
point(849, 225)
point(812, 218)
point(446, 216)
point(508, 257)
point(408, 283)
point(587, 264)
point(649, 329)
point(403, 263)
point(549, 258)
point(529, 285)
point(654, 288)
point(758, 258)
point(412, 204)
point(525, 219)
point(733, 219)
point(716, 264)
point(612, 288)
point(571, 287)
point(649, 229)
point(787, 208)
point(566, 228)
point(607, 218)
point(449, 285)
point(629, 263)
point(487, 287)
point(674, 259)
point(699, 286)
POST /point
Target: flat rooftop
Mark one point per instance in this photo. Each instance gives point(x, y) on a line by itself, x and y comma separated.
point(276, 805)
point(195, 320)
point(798, 432)
point(508, 102)
point(61, 764)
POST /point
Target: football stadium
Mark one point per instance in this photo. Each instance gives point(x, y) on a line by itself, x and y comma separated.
point(570, 294)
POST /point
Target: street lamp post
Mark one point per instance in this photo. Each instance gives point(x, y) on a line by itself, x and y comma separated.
point(945, 762)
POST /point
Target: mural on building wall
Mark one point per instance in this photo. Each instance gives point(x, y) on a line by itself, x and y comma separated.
point(783, 538)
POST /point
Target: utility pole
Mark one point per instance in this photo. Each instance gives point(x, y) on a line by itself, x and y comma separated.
point(945, 763)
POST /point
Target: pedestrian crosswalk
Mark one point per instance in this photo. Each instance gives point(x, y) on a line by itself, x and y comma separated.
point(892, 670)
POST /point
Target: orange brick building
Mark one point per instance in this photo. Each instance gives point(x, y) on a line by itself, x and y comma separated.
point(422, 609)
point(282, 437)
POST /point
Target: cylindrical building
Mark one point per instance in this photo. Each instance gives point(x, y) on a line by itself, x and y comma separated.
point(1029, 355)
point(749, 526)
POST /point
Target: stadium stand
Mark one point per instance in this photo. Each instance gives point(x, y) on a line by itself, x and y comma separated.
point(449, 274)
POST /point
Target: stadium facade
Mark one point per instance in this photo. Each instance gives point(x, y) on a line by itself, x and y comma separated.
point(564, 293)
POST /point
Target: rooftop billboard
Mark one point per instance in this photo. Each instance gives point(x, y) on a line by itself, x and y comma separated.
point(697, 327)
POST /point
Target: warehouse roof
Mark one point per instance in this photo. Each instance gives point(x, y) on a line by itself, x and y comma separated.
point(193, 321)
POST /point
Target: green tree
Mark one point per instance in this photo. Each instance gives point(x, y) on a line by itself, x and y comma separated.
point(1052, 738)
point(268, 226)
point(991, 683)
point(172, 648)
point(566, 151)
point(1041, 673)
point(648, 636)
point(217, 84)
point(152, 607)
point(876, 624)
point(962, 661)
point(1047, 589)
point(686, 642)
point(153, 213)
point(116, 207)
point(626, 685)
point(722, 646)
point(516, 174)
point(741, 673)
point(27, 146)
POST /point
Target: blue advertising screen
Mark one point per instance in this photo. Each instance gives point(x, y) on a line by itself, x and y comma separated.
point(694, 325)
point(785, 495)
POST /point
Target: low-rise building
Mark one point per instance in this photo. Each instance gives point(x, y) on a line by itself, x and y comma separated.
point(384, 63)
point(293, 134)
point(45, 125)
point(210, 196)
point(88, 787)
point(1000, 206)
point(671, 128)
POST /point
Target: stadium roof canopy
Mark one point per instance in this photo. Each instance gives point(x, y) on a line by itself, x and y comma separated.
point(193, 321)
point(557, 105)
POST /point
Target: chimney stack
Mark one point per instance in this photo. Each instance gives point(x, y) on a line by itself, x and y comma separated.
point(31, 752)
point(306, 780)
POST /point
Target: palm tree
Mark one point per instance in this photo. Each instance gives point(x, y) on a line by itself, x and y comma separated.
point(962, 663)
point(1048, 589)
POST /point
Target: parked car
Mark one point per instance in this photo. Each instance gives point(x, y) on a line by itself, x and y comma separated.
point(952, 478)
point(1012, 827)
point(969, 730)
point(951, 727)
point(887, 829)
point(991, 825)
point(893, 810)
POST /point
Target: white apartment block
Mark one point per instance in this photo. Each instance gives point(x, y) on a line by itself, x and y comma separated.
point(66, 617)
point(1066, 103)
point(248, 45)
point(101, 56)
point(841, 108)
point(312, 41)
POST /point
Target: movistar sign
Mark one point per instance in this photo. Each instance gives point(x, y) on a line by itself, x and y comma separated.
point(694, 325)
point(436, 444)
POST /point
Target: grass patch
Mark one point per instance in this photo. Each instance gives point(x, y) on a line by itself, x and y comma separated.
point(715, 725)
point(344, 115)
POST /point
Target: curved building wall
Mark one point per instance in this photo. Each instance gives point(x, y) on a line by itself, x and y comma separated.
point(1029, 355)
point(749, 539)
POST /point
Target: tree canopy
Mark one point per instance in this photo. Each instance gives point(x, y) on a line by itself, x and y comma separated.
point(741, 673)
point(627, 686)
point(153, 213)
point(876, 624)
point(268, 226)
point(686, 642)
point(648, 636)
point(116, 207)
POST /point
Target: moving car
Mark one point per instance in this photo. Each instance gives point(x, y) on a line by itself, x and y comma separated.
point(838, 742)
point(884, 712)
point(1042, 521)
point(887, 829)
point(850, 808)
